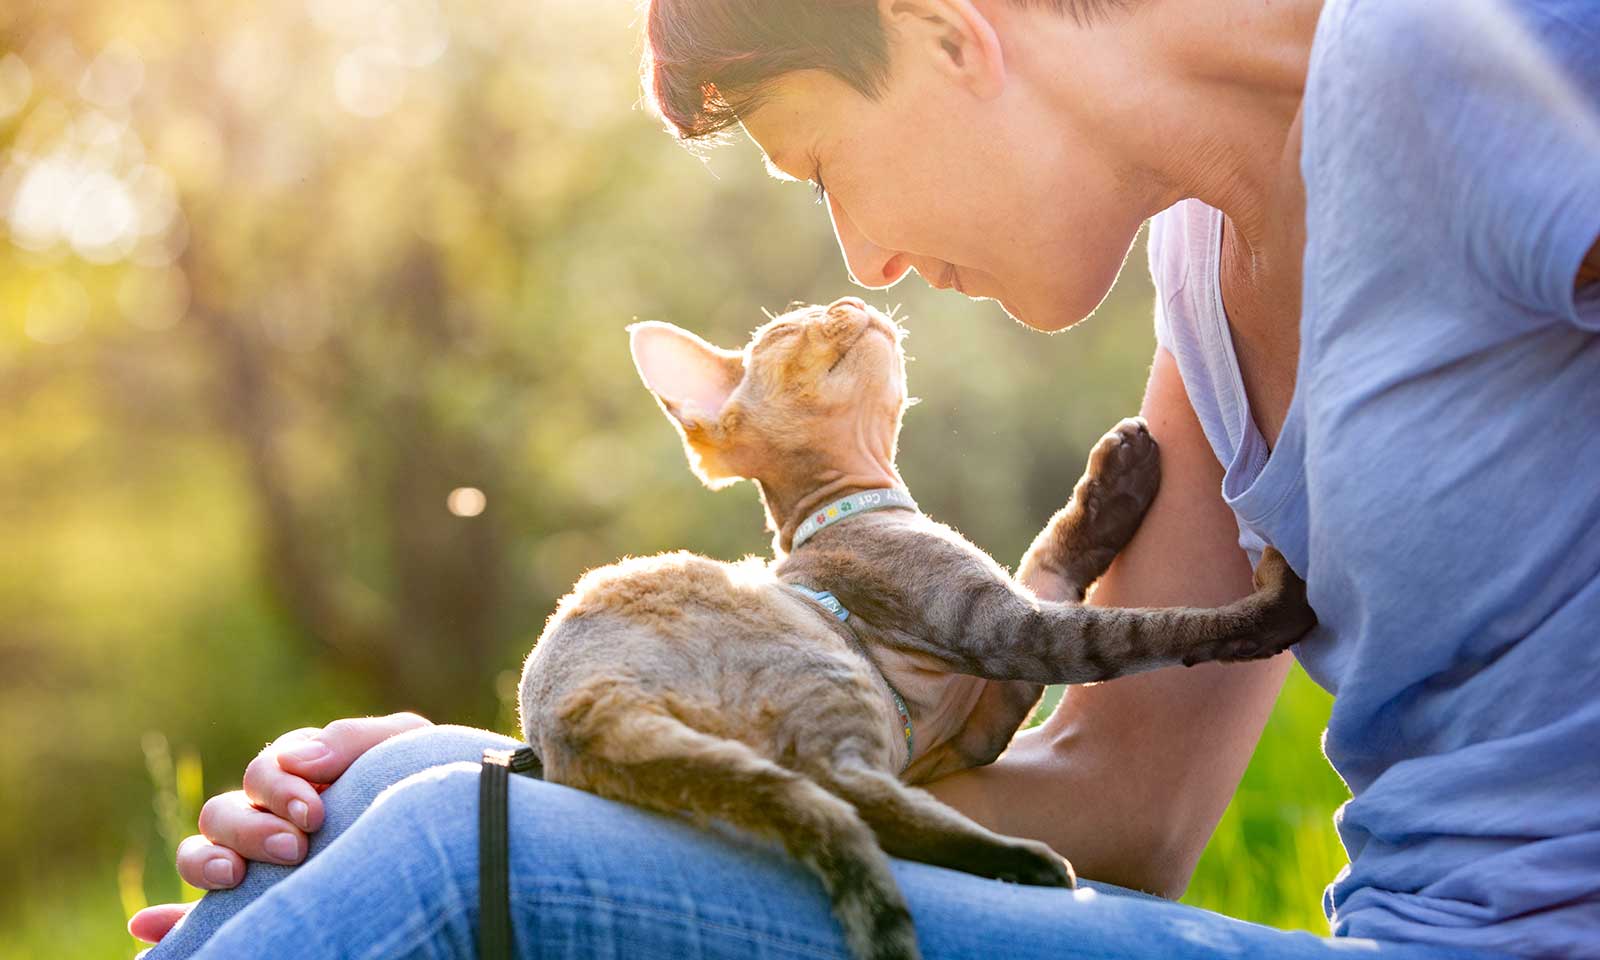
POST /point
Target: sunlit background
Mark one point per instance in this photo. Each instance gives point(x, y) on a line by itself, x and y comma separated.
point(314, 396)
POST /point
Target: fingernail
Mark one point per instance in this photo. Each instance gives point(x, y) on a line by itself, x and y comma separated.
point(283, 846)
point(219, 871)
point(300, 814)
point(307, 752)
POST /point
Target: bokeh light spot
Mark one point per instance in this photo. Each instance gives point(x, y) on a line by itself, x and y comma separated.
point(114, 77)
point(16, 85)
point(101, 220)
point(466, 501)
point(414, 32)
point(369, 82)
point(45, 191)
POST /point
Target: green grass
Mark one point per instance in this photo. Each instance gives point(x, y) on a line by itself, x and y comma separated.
point(69, 915)
point(81, 918)
point(1276, 848)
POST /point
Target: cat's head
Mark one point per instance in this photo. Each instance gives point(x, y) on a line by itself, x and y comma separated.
point(817, 389)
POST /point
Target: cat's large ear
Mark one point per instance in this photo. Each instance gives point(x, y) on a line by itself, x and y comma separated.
point(692, 380)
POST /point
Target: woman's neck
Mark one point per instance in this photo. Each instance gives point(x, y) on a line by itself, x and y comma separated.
point(1208, 106)
point(1200, 99)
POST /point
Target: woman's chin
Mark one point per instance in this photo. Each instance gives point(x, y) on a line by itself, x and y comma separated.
point(1045, 321)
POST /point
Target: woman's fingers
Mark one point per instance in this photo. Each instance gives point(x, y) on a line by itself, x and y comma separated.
point(230, 820)
point(207, 866)
point(321, 756)
point(285, 777)
point(290, 796)
point(268, 820)
point(153, 923)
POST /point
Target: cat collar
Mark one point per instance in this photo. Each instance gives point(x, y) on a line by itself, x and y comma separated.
point(863, 502)
point(831, 604)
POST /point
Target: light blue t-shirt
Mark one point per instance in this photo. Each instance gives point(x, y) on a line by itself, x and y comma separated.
point(1437, 481)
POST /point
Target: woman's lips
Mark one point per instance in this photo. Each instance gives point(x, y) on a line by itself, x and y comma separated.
point(950, 279)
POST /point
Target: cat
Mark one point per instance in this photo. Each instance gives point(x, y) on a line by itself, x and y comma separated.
point(797, 699)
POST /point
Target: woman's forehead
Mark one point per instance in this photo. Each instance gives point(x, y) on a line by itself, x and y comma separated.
point(785, 145)
point(792, 116)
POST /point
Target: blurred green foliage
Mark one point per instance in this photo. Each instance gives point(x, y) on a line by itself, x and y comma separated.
point(280, 278)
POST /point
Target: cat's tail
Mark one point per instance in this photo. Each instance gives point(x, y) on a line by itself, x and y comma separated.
point(627, 748)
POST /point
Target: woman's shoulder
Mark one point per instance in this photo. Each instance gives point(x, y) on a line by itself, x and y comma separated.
point(1403, 60)
point(1455, 138)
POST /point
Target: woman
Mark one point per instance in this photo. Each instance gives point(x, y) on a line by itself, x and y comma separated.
point(1374, 244)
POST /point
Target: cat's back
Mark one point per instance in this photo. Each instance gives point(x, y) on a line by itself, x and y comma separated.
point(707, 635)
point(659, 590)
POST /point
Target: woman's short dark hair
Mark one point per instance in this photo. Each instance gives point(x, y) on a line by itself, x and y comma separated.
point(708, 61)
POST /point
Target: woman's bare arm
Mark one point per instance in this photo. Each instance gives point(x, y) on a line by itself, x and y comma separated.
point(1127, 779)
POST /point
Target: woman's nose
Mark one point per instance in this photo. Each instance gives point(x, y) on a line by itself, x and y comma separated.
point(870, 265)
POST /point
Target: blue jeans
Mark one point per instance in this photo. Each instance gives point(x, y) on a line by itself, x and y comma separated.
point(394, 873)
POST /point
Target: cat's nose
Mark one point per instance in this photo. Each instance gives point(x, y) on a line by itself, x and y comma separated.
point(856, 302)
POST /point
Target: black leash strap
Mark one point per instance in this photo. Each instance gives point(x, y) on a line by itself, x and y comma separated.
point(494, 880)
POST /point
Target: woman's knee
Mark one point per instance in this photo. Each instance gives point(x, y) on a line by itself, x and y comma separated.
point(416, 750)
point(392, 761)
point(433, 814)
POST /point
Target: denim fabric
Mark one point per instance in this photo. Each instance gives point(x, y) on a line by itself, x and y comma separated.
point(595, 879)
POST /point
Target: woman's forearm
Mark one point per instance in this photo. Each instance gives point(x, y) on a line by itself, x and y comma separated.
point(1109, 782)
point(1127, 779)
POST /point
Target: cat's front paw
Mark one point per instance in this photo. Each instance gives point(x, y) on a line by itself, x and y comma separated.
point(1128, 460)
point(1122, 478)
point(1029, 862)
point(1279, 615)
point(1289, 613)
point(1104, 511)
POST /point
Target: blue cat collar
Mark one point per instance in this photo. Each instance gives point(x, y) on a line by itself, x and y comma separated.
point(829, 601)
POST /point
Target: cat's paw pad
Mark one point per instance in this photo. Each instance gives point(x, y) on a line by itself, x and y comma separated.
point(1032, 863)
point(1100, 517)
point(1123, 475)
point(1127, 460)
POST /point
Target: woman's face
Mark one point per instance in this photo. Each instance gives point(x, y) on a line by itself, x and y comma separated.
point(1003, 196)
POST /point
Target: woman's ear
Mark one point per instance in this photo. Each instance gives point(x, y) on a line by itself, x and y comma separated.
point(692, 379)
point(958, 40)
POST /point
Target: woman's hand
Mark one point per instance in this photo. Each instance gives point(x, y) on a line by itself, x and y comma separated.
point(268, 819)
